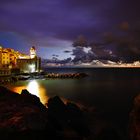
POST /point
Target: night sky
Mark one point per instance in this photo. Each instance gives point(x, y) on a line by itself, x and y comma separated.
point(53, 25)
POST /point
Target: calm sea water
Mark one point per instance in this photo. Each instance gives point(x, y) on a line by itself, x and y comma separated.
point(110, 90)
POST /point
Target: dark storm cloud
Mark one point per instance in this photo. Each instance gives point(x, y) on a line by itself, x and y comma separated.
point(60, 17)
point(127, 42)
point(56, 23)
point(55, 55)
point(67, 51)
point(81, 56)
point(93, 54)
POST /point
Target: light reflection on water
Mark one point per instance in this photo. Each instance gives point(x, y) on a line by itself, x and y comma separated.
point(34, 88)
point(18, 89)
point(42, 88)
point(108, 90)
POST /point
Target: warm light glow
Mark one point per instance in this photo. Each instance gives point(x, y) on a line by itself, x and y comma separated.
point(18, 89)
point(32, 67)
point(23, 57)
point(33, 88)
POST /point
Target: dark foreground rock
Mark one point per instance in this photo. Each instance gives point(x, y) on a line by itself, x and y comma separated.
point(67, 117)
point(23, 116)
point(21, 112)
point(135, 120)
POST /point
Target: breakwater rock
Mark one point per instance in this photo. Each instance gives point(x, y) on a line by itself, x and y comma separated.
point(65, 75)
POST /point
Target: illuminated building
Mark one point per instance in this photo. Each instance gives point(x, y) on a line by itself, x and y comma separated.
point(29, 64)
point(8, 57)
point(32, 52)
point(0, 56)
point(11, 59)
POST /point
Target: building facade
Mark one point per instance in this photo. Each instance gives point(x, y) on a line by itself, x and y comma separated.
point(8, 57)
point(11, 59)
point(29, 64)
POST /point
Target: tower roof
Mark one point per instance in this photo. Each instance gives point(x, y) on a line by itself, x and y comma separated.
point(33, 47)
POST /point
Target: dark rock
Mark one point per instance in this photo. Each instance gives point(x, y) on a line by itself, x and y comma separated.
point(27, 97)
point(23, 116)
point(67, 116)
point(76, 119)
point(56, 104)
point(65, 75)
point(25, 91)
point(74, 110)
point(57, 112)
point(108, 134)
point(4, 91)
point(19, 114)
point(135, 120)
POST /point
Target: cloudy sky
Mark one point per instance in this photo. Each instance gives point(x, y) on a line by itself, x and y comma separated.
point(53, 25)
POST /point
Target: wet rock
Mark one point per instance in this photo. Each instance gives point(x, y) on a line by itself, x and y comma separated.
point(57, 112)
point(108, 134)
point(18, 114)
point(66, 75)
point(76, 119)
point(67, 117)
point(135, 120)
point(25, 115)
point(27, 97)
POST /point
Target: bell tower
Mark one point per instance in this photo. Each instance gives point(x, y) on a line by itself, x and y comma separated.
point(32, 52)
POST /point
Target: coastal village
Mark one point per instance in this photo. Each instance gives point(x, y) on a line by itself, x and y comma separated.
point(12, 61)
point(18, 66)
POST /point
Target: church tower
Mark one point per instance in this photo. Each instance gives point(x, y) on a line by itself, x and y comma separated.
point(32, 52)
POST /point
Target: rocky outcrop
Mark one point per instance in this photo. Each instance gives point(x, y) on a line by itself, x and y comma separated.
point(22, 116)
point(67, 118)
point(26, 116)
point(21, 112)
point(135, 120)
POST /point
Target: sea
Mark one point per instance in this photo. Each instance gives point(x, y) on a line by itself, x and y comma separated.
point(109, 90)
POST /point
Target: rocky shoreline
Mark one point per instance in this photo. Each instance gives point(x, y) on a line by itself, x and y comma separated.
point(31, 76)
point(23, 116)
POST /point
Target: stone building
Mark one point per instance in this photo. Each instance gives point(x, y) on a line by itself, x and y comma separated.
point(11, 60)
point(8, 60)
point(8, 57)
point(29, 64)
